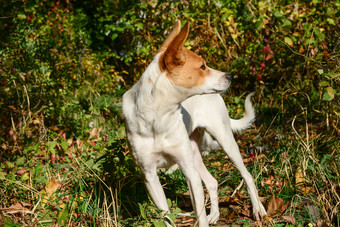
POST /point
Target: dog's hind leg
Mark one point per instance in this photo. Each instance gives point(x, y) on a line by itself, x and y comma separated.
point(225, 138)
point(210, 182)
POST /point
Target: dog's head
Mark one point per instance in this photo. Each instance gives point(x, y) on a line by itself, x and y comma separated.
point(185, 68)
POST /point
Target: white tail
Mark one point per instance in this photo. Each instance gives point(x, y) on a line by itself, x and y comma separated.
point(244, 123)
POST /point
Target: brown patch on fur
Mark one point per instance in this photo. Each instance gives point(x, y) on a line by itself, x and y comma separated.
point(189, 74)
point(149, 81)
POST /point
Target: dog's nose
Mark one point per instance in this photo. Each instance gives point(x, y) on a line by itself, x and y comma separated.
point(228, 76)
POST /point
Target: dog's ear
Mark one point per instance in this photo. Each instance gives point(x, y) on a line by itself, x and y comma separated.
point(171, 36)
point(174, 54)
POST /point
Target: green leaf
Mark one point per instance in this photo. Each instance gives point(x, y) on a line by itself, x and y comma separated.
point(324, 83)
point(335, 75)
point(177, 210)
point(169, 202)
point(20, 161)
point(21, 16)
point(320, 71)
point(286, 22)
point(330, 21)
point(10, 164)
point(114, 36)
point(319, 34)
point(140, 25)
point(329, 94)
point(172, 217)
point(9, 223)
point(278, 14)
point(158, 223)
point(63, 215)
point(142, 211)
point(64, 145)
point(25, 177)
point(289, 41)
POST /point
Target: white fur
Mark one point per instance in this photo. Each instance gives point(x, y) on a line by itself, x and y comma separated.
point(158, 128)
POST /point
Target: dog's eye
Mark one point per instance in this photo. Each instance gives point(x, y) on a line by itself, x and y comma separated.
point(203, 67)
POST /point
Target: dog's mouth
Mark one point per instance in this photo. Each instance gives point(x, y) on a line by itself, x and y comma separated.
point(219, 90)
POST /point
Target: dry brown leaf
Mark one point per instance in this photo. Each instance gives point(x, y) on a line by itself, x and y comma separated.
point(93, 133)
point(19, 207)
point(246, 211)
point(300, 182)
point(50, 188)
point(276, 206)
point(289, 219)
point(299, 178)
point(216, 164)
point(271, 181)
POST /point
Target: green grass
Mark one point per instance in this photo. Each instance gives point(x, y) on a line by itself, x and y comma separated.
point(100, 184)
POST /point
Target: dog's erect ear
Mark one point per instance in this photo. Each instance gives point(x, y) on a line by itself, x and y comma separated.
point(171, 36)
point(174, 54)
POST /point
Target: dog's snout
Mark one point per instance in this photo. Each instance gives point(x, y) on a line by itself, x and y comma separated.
point(228, 76)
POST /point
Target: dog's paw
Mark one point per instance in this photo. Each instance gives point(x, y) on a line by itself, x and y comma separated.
point(259, 212)
point(213, 218)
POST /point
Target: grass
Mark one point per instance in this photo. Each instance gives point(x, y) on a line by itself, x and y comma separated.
point(93, 181)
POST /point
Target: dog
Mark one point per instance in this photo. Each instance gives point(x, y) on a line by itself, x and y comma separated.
point(177, 95)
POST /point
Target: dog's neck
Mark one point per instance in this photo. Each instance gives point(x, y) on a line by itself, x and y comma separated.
point(154, 91)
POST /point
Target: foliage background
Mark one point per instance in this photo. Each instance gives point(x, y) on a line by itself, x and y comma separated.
point(66, 64)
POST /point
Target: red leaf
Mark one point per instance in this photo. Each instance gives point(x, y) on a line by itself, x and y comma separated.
point(54, 157)
point(258, 76)
point(21, 172)
point(262, 66)
point(266, 49)
point(270, 56)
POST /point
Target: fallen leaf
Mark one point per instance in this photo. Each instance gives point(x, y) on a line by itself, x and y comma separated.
point(93, 133)
point(276, 206)
point(299, 179)
point(216, 164)
point(300, 182)
point(289, 219)
point(12, 108)
point(19, 207)
point(50, 188)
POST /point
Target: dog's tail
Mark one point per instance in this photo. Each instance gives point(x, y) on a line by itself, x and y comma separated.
point(244, 123)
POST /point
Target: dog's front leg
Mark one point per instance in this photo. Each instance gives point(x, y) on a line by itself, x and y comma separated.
point(142, 151)
point(156, 192)
point(155, 189)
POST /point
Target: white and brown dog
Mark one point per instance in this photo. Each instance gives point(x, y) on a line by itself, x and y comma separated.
point(176, 95)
